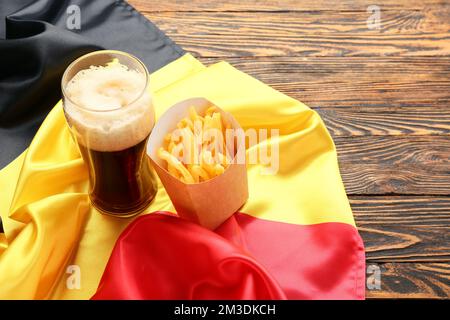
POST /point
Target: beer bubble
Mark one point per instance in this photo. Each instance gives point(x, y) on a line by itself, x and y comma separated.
point(110, 107)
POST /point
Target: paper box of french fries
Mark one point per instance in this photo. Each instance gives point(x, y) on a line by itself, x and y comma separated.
point(195, 150)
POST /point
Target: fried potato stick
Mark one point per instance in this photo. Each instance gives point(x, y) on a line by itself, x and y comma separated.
point(173, 161)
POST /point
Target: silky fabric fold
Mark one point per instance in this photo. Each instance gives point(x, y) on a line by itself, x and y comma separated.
point(198, 264)
point(305, 200)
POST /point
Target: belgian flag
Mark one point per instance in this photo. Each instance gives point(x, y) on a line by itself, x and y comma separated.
point(295, 238)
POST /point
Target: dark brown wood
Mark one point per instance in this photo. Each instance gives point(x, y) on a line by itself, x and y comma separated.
point(405, 98)
point(383, 121)
point(426, 151)
point(397, 179)
point(404, 229)
point(412, 280)
point(275, 5)
point(315, 33)
point(415, 165)
point(359, 83)
point(361, 96)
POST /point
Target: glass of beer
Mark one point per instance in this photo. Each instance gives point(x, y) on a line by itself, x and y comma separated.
point(108, 107)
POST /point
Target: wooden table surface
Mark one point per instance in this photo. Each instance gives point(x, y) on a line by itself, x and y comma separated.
point(384, 95)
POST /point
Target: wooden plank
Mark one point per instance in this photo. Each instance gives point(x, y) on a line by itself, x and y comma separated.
point(363, 95)
point(365, 83)
point(404, 229)
point(412, 280)
point(376, 179)
point(315, 33)
point(379, 122)
point(398, 165)
point(275, 5)
point(425, 151)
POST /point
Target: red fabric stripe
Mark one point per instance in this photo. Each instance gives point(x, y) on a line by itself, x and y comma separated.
point(160, 256)
point(319, 261)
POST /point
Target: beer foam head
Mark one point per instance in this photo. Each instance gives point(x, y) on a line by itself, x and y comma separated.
point(109, 107)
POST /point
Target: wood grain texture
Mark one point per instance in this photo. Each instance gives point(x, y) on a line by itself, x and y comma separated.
point(382, 121)
point(401, 165)
point(404, 229)
point(379, 179)
point(274, 5)
point(426, 151)
point(412, 280)
point(315, 33)
point(398, 97)
point(357, 83)
point(362, 96)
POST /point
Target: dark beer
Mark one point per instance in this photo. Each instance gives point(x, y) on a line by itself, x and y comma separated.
point(109, 109)
point(122, 182)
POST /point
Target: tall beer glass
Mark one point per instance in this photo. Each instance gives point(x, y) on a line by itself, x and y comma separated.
point(108, 107)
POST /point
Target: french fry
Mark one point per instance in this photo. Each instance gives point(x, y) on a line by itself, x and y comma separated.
point(219, 169)
point(189, 142)
point(185, 174)
point(224, 160)
point(217, 121)
point(197, 151)
point(193, 173)
point(194, 115)
point(199, 174)
point(172, 170)
point(208, 163)
point(186, 123)
point(198, 128)
point(177, 151)
point(170, 146)
point(211, 110)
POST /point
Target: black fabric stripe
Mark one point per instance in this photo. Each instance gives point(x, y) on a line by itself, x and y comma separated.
point(37, 47)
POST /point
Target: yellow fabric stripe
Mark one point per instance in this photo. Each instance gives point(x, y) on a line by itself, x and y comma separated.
point(3, 243)
point(9, 176)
